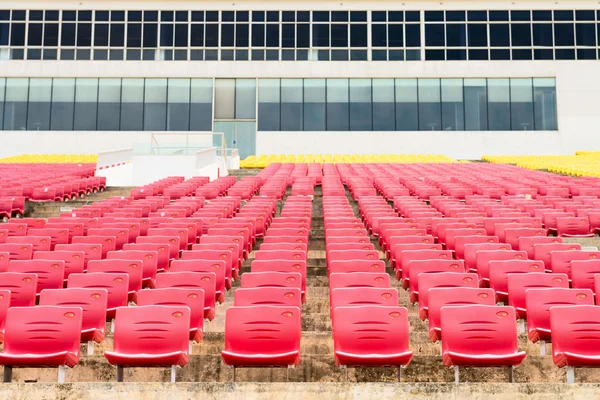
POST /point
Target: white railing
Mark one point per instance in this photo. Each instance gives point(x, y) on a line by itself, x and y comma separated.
point(113, 158)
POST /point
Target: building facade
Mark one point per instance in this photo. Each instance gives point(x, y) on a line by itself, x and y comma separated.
point(457, 78)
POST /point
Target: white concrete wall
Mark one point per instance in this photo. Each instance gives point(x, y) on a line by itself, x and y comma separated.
point(147, 169)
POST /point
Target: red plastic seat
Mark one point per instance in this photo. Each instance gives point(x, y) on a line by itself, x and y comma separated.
point(452, 234)
point(359, 296)
point(583, 273)
point(442, 280)
point(57, 235)
point(4, 306)
point(345, 246)
point(396, 252)
point(22, 287)
point(541, 251)
point(518, 284)
point(74, 260)
point(231, 263)
point(418, 267)
point(17, 251)
point(371, 336)
point(526, 243)
point(293, 255)
point(403, 269)
point(512, 235)
point(39, 243)
point(108, 243)
point(4, 260)
point(359, 279)
point(215, 266)
point(499, 271)
point(454, 296)
point(538, 303)
point(162, 251)
point(461, 241)
point(207, 281)
point(573, 227)
point(262, 336)
point(150, 336)
point(51, 273)
point(171, 241)
point(148, 258)
point(193, 298)
point(484, 257)
point(120, 234)
point(471, 250)
point(575, 337)
point(560, 261)
point(132, 268)
point(351, 266)
point(116, 285)
point(273, 279)
point(133, 228)
point(93, 302)
point(24, 346)
point(481, 336)
point(274, 296)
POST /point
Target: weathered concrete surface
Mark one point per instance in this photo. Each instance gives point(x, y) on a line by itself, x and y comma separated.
point(299, 391)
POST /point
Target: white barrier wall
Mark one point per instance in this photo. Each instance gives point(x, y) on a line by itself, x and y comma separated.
point(147, 169)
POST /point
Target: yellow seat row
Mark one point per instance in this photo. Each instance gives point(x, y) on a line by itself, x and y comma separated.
point(583, 163)
point(51, 159)
point(263, 160)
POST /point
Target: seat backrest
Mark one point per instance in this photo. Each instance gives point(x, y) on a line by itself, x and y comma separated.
point(263, 329)
point(272, 279)
point(116, 285)
point(358, 279)
point(575, 331)
point(152, 330)
point(483, 257)
point(346, 266)
point(57, 235)
point(22, 287)
point(461, 241)
point(207, 281)
point(93, 302)
point(479, 329)
point(162, 251)
point(539, 301)
point(17, 251)
point(346, 246)
point(418, 267)
point(455, 296)
point(583, 272)
point(560, 261)
point(193, 298)
point(526, 243)
point(231, 264)
point(217, 267)
point(51, 273)
point(132, 268)
point(344, 239)
point(573, 226)
point(452, 234)
point(541, 251)
point(413, 255)
point(172, 241)
point(276, 296)
point(357, 296)
point(371, 329)
point(16, 229)
point(499, 271)
point(148, 258)
point(74, 260)
point(108, 243)
point(4, 260)
point(4, 306)
point(341, 255)
point(518, 284)
point(293, 255)
point(61, 327)
point(426, 282)
point(512, 235)
point(133, 228)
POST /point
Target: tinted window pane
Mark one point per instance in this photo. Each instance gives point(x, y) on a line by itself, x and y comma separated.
point(101, 35)
point(258, 35)
point(269, 103)
point(181, 35)
point(544, 93)
point(383, 105)
point(521, 104)
point(150, 35)
point(303, 35)
point(109, 104)
point(15, 104)
point(542, 35)
point(201, 105)
point(430, 118)
point(35, 35)
point(320, 35)
point(413, 35)
point(155, 105)
point(132, 105)
point(407, 110)
point(586, 34)
point(396, 35)
point(291, 104)
point(456, 35)
point(337, 105)
point(40, 94)
point(453, 118)
point(521, 34)
point(134, 35)
point(272, 35)
point(379, 35)
point(63, 104)
point(475, 94)
point(360, 105)
point(314, 104)
point(499, 104)
point(564, 34)
point(358, 35)
point(227, 35)
point(117, 35)
point(499, 35)
point(339, 35)
point(245, 98)
point(477, 35)
point(434, 35)
point(86, 103)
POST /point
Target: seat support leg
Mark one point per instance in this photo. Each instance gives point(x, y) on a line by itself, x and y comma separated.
point(399, 373)
point(346, 368)
point(119, 373)
point(112, 326)
point(7, 374)
point(173, 373)
point(190, 348)
point(456, 374)
point(522, 325)
point(542, 347)
point(511, 375)
point(234, 370)
point(570, 374)
point(61, 374)
point(90, 348)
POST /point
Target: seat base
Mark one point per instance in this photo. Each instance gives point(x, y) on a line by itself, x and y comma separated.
point(261, 360)
point(179, 358)
point(486, 360)
point(372, 360)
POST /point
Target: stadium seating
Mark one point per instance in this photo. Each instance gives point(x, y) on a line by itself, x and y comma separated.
point(115, 284)
point(441, 280)
point(500, 270)
point(133, 269)
point(518, 284)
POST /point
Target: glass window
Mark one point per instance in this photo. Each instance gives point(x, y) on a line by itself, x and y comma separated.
point(430, 118)
point(84, 35)
point(361, 105)
point(477, 35)
point(132, 104)
point(245, 98)
point(117, 35)
point(109, 104)
point(303, 35)
point(379, 35)
point(197, 35)
point(291, 104)
point(542, 35)
point(201, 105)
point(383, 105)
point(212, 35)
point(475, 95)
point(2, 90)
point(499, 104)
point(155, 105)
point(178, 107)
point(134, 35)
point(227, 35)
point(101, 35)
point(337, 105)
point(396, 35)
point(86, 104)
point(453, 110)
point(544, 93)
point(434, 35)
point(456, 35)
point(314, 104)
point(242, 35)
point(34, 37)
point(413, 35)
point(339, 35)
point(358, 35)
point(224, 98)
point(407, 110)
point(586, 34)
point(269, 105)
point(521, 104)
point(258, 35)
point(320, 35)
point(272, 35)
point(499, 35)
point(15, 105)
point(521, 34)
point(40, 93)
point(564, 34)
point(63, 104)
